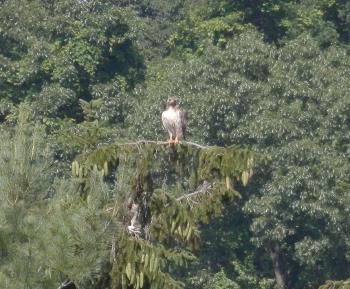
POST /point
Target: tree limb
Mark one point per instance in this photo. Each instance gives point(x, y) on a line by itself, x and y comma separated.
point(67, 284)
point(202, 190)
point(141, 142)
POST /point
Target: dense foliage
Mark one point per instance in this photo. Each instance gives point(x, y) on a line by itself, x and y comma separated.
point(82, 87)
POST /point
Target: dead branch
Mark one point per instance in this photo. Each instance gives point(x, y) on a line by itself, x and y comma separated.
point(67, 284)
point(141, 142)
point(203, 189)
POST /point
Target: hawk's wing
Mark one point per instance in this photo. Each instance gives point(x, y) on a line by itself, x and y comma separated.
point(183, 117)
point(181, 124)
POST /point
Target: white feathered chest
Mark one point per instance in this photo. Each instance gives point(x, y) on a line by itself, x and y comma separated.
point(174, 121)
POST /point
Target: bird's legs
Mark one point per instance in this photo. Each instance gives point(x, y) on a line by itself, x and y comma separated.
point(170, 141)
point(176, 141)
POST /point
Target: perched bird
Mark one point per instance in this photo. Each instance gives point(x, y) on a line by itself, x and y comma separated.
point(174, 121)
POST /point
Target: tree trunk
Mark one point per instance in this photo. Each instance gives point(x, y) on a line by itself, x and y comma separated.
point(278, 266)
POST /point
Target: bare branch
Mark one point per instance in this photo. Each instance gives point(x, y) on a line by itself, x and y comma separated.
point(67, 284)
point(202, 190)
point(141, 142)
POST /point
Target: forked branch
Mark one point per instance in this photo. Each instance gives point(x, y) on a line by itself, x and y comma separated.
point(202, 190)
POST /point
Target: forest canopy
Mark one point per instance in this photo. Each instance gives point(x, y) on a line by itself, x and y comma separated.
point(257, 196)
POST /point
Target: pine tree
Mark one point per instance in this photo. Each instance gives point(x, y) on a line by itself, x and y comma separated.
point(26, 174)
point(159, 196)
point(127, 218)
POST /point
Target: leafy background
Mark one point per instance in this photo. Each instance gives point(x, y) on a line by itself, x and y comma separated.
point(272, 76)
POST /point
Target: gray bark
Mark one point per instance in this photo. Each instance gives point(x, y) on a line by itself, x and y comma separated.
point(277, 264)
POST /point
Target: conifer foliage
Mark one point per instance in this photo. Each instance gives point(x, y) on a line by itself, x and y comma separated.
point(127, 218)
point(336, 285)
point(161, 195)
point(26, 174)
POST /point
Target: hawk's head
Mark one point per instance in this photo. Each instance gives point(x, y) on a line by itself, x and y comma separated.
point(171, 103)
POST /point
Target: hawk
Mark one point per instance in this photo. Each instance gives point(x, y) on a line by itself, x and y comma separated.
point(174, 121)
